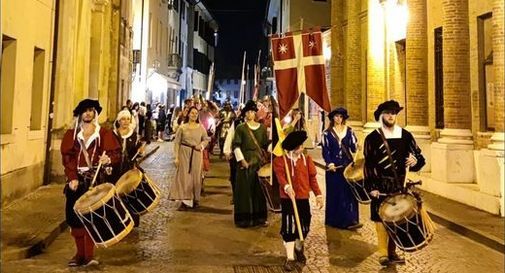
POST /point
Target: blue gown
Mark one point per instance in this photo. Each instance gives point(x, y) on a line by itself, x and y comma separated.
point(341, 205)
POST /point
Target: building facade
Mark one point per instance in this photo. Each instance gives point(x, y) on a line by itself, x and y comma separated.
point(443, 61)
point(54, 54)
point(27, 49)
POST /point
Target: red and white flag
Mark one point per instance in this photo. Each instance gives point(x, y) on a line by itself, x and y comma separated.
point(299, 67)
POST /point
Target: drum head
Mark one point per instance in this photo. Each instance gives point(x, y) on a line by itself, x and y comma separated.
point(265, 171)
point(94, 198)
point(129, 181)
point(354, 173)
point(398, 207)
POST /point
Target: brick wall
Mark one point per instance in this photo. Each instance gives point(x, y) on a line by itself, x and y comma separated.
point(498, 62)
point(353, 61)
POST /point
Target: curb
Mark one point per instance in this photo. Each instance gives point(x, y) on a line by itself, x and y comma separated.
point(468, 232)
point(48, 235)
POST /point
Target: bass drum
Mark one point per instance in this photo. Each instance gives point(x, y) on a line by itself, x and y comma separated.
point(138, 192)
point(104, 215)
point(354, 176)
point(405, 223)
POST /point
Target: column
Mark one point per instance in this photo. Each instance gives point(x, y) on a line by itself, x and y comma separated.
point(454, 150)
point(376, 65)
point(491, 173)
point(337, 54)
point(417, 78)
point(353, 67)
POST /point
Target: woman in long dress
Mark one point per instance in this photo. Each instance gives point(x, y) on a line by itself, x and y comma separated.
point(338, 143)
point(190, 140)
point(249, 201)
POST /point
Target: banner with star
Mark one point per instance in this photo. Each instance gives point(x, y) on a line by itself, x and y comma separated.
point(299, 67)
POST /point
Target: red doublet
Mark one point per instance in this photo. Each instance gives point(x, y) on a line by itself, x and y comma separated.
point(70, 149)
point(304, 178)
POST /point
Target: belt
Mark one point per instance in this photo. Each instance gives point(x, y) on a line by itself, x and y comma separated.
point(193, 149)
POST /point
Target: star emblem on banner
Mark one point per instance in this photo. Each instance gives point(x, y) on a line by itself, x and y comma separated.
point(283, 48)
point(312, 44)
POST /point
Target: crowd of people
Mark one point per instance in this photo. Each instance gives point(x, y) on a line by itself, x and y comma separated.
point(251, 138)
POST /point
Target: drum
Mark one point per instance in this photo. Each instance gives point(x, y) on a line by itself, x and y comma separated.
point(264, 175)
point(404, 222)
point(104, 216)
point(354, 176)
point(137, 191)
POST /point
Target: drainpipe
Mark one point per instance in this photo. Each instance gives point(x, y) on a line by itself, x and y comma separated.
point(47, 164)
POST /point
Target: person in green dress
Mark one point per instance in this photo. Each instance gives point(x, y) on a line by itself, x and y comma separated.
point(249, 201)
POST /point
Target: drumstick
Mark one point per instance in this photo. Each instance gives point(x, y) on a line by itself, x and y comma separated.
point(406, 173)
point(96, 173)
point(138, 152)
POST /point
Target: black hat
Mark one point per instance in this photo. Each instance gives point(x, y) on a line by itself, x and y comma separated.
point(293, 140)
point(391, 105)
point(341, 111)
point(85, 104)
point(250, 106)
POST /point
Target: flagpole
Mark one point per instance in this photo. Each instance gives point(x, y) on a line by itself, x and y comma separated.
point(210, 81)
point(247, 92)
point(242, 87)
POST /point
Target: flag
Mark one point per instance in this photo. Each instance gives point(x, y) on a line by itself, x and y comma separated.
point(257, 78)
point(299, 67)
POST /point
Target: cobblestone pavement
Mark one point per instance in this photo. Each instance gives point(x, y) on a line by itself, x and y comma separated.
point(205, 240)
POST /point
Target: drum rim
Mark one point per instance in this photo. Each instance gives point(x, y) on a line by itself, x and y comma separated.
point(118, 238)
point(410, 215)
point(80, 208)
point(266, 166)
point(121, 185)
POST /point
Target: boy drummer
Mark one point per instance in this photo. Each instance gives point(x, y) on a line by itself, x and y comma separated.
point(302, 173)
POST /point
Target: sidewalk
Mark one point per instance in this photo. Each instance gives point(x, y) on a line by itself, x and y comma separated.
point(477, 225)
point(30, 224)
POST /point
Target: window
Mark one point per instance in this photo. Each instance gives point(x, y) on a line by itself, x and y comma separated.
point(37, 89)
point(439, 79)
point(8, 75)
point(486, 72)
point(195, 26)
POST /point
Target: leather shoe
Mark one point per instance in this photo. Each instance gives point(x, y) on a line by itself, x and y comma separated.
point(289, 265)
point(395, 259)
point(355, 226)
point(384, 260)
point(300, 257)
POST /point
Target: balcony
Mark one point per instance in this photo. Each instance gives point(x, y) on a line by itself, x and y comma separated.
point(174, 63)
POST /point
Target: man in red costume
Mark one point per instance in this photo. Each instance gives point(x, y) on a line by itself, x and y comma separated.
point(81, 150)
point(302, 172)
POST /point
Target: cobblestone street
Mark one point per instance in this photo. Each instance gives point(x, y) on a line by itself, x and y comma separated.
point(206, 240)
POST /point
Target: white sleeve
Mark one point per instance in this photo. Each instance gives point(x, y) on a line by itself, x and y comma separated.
point(238, 154)
point(228, 140)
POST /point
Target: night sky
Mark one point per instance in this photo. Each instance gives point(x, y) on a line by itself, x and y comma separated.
point(240, 28)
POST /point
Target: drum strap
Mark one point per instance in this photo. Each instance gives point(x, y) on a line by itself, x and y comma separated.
point(390, 156)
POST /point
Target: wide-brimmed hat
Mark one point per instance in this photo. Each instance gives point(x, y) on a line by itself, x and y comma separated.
point(390, 105)
point(341, 111)
point(250, 106)
point(85, 104)
point(294, 139)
